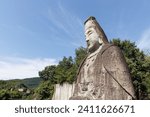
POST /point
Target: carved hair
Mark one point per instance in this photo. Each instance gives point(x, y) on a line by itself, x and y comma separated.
point(98, 28)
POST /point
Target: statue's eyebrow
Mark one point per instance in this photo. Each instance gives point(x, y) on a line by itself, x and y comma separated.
point(88, 31)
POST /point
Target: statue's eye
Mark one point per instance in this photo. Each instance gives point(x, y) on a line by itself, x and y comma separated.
point(90, 32)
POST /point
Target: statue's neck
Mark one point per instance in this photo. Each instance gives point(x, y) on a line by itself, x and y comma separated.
point(95, 51)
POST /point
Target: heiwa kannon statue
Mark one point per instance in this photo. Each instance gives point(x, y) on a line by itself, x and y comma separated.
point(103, 74)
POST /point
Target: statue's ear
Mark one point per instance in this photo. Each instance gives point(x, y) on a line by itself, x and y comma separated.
point(100, 41)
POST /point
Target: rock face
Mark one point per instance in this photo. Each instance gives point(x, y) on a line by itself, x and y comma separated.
point(104, 74)
point(63, 92)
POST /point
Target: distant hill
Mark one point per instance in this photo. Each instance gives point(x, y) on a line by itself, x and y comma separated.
point(29, 82)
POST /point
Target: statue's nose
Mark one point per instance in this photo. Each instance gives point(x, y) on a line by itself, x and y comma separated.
point(87, 39)
point(88, 43)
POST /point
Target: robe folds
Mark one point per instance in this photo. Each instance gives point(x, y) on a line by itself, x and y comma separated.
point(104, 76)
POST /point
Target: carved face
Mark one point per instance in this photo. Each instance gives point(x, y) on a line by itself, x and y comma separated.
point(92, 37)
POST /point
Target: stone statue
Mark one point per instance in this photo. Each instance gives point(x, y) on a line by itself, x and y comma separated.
point(103, 74)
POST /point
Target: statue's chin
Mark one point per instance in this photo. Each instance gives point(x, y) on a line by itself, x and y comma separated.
point(93, 49)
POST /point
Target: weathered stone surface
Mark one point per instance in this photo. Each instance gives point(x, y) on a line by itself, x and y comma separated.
point(104, 73)
point(63, 92)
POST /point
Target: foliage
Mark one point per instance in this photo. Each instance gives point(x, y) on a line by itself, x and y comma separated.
point(8, 84)
point(146, 81)
point(64, 71)
point(9, 95)
point(48, 73)
point(44, 91)
point(9, 89)
point(31, 82)
point(4, 95)
point(80, 55)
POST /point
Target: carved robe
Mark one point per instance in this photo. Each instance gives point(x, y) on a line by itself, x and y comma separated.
point(104, 76)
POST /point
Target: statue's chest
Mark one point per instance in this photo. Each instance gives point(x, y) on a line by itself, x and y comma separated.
point(87, 71)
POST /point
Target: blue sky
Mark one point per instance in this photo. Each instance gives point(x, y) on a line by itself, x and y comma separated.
point(37, 33)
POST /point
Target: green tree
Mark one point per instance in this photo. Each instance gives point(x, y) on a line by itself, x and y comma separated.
point(65, 71)
point(48, 73)
point(81, 53)
point(44, 91)
point(6, 94)
point(146, 81)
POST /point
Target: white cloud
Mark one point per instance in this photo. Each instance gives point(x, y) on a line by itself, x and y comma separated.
point(14, 68)
point(144, 41)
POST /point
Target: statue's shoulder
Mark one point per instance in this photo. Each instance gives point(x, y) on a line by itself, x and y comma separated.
point(109, 53)
point(110, 48)
point(105, 48)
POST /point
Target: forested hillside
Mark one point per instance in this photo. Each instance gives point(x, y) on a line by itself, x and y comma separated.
point(18, 89)
point(31, 82)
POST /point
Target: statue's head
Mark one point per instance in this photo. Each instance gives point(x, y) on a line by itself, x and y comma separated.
point(95, 36)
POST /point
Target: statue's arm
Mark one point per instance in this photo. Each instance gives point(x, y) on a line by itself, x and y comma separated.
point(115, 63)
